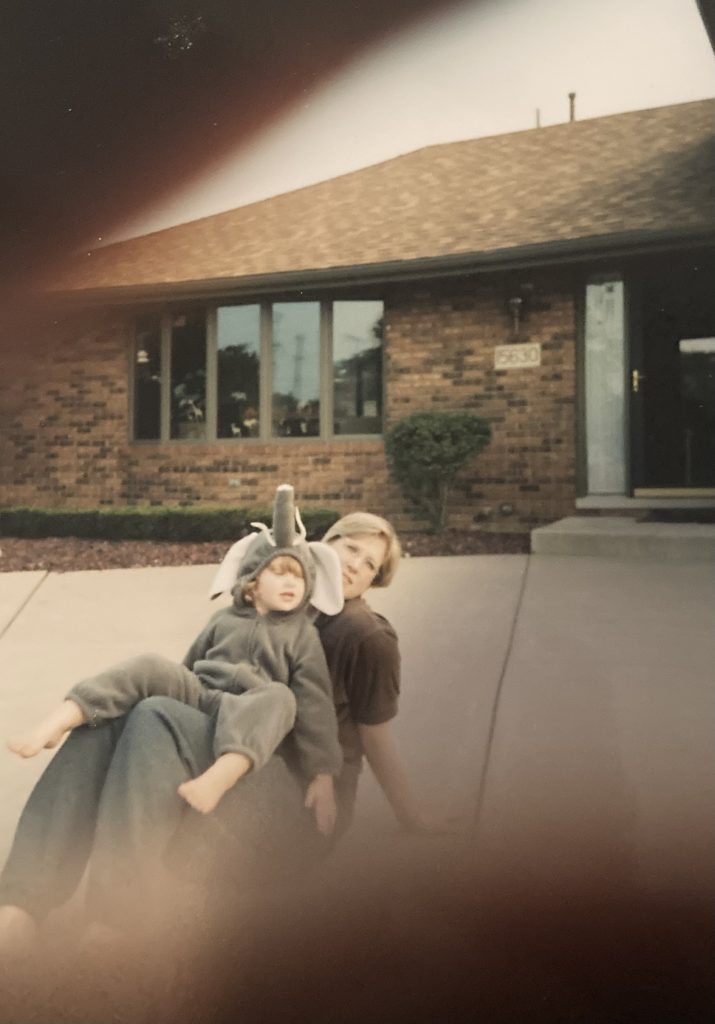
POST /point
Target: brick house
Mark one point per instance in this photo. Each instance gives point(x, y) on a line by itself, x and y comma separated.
point(559, 282)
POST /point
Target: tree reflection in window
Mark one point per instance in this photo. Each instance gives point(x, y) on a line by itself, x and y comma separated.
point(188, 376)
point(296, 369)
point(238, 347)
point(289, 341)
point(358, 329)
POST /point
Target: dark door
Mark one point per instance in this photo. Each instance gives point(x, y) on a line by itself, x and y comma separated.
point(673, 376)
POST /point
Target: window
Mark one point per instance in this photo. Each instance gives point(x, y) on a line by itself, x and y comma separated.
point(605, 387)
point(267, 371)
point(238, 343)
point(357, 367)
point(295, 404)
point(188, 376)
point(147, 379)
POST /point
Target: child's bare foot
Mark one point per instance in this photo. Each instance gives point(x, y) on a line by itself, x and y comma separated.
point(18, 931)
point(205, 791)
point(31, 743)
point(50, 730)
point(203, 794)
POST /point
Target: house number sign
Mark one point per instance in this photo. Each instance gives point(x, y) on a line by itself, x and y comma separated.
point(517, 357)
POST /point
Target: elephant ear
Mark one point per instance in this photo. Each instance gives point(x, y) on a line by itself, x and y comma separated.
point(327, 593)
point(227, 572)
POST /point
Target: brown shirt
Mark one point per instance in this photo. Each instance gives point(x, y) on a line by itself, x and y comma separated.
point(364, 664)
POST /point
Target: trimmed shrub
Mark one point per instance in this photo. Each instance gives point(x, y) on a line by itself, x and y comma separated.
point(155, 522)
point(427, 450)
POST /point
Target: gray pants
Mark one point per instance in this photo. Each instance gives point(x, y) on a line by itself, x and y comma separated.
point(251, 721)
point(108, 798)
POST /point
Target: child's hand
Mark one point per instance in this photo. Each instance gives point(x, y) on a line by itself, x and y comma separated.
point(320, 799)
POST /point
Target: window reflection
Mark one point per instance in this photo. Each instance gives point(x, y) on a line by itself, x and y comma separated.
point(290, 337)
point(238, 343)
point(357, 367)
point(188, 376)
point(605, 388)
point(147, 379)
point(296, 369)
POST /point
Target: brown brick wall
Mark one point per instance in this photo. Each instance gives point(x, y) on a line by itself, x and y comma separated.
point(65, 425)
point(340, 475)
point(441, 343)
point(63, 401)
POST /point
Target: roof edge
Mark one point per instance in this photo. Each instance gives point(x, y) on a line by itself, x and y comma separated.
point(407, 154)
point(625, 243)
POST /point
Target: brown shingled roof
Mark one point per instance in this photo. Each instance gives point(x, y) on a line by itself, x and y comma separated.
point(649, 171)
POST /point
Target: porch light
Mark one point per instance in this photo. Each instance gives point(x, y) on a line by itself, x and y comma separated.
point(142, 356)
point(518, 304)
point(515, 306)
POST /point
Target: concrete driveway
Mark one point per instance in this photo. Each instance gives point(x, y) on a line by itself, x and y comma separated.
point(563, 704)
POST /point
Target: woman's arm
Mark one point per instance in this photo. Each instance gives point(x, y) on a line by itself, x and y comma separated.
point(371, 678)
point(383, 756)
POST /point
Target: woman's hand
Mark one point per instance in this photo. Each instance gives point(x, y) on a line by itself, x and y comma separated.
point(320, 799)
point(383, 757)
point(427, 823)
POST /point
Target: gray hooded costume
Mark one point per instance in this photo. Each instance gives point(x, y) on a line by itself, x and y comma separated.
point(260, 675)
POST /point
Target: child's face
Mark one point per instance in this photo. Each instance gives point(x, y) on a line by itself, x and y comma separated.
point(280, 587)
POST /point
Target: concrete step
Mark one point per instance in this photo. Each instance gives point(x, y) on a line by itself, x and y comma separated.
point(623, 537)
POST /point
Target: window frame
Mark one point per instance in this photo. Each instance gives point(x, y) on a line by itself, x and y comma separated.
point(265, 435)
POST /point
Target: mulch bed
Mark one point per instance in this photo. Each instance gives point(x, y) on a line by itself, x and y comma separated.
point(72, 554)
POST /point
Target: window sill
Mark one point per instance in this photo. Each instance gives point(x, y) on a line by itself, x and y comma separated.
point(240, 442)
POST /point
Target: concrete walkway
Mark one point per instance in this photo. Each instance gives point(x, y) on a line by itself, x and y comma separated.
point(564, 702)
point(623, 537)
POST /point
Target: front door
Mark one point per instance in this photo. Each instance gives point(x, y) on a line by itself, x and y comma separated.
point(672, 378)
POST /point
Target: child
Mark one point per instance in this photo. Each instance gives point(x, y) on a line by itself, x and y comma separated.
point(258, 666)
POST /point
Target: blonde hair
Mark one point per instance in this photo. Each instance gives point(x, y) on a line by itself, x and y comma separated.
point(280, 565)
point(356, 523)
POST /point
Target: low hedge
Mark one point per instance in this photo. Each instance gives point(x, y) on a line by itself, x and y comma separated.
point(150, 522)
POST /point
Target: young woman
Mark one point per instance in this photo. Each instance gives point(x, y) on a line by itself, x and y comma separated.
point(109, 796)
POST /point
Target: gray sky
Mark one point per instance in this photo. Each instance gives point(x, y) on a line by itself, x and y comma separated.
point(481, 69)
